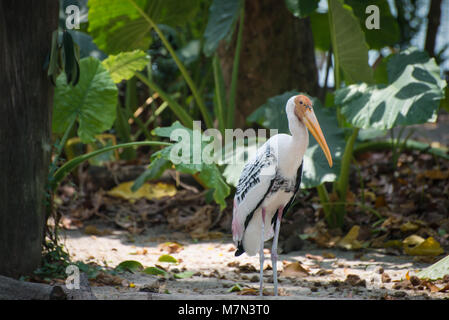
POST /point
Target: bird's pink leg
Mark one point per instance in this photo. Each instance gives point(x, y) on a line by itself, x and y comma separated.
point(274, 252)
point(261, 255)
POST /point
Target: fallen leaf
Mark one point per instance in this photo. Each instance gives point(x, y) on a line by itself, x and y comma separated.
point(248, 292)
point(92, 230)
point(129, 265)
point(436, 174)
point(350, 242)
point(328, 255)
point(323, 272)
point(385, 278)
point(392, 244)
point(235, 288)
point(294, 269)
point(167, 258)
point(431, 286)
point(409, 226)
point(355, 281)
point(380, 202)
point(314, 257)
point(247, 268)
point(171, 247)
point(148, 190)
point(428, 247)
point(155, 271)
point(107, 279)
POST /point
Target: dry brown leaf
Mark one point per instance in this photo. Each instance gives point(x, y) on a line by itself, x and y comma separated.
point(328, 255)
point(248, 292)
point(295, 269)
point(350, 242)
point(436, 174)
point(314, 257)
point(385, 278)
point(355, 281)
point(409, 226)
point(247, 268)
point(431, 286)
point(170, 247)
point(93, 231)
point(380, 202)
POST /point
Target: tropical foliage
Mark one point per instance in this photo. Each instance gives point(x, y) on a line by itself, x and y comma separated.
point(171, 57)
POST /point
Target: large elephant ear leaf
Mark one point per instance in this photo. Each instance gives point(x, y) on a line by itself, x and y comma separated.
point(123, 65)
point(388, 33)
point(412, 95)
point(316, 169)
point(222, 16)
point(92, 102)
point(182, 155)
point(117, 25)
point(348, 43)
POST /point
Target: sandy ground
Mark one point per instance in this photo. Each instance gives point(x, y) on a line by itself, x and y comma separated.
point(216, 269)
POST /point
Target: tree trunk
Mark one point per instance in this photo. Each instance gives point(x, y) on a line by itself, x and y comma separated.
point(433, 22)
point(26, 99)
point(277, 55)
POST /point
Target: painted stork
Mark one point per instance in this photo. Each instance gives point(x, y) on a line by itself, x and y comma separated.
point(269, 182)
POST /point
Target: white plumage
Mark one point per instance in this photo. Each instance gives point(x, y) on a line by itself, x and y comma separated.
point(270, 180)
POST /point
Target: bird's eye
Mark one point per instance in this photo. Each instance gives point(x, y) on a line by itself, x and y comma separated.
point(300, 102)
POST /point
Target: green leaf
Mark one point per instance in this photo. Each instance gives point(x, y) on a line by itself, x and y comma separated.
point(184, 275)
point(92, 101)
point(235, 288)
point(222, 16)
point(129, 265)
point(316, 170)
point(116, 25)
point(167, 258)
point(190, 161)
point(125, 64)
point(436, 271)
point(348, 43)
point(155, 271)
point(154, 171)
point(319, 22)
point(72, 164)
point(302, 8)
point(388, 34)
point(411, 97)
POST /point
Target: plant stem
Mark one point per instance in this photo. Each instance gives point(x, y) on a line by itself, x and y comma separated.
point(219, 94)
point(63, 142)
point(187, 78)
point(235, 70)
point(182, 115)
point(343, 180)
point(325, 202)
point(72, 164)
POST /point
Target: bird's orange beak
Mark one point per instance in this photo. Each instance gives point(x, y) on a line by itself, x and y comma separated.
point(312, 124)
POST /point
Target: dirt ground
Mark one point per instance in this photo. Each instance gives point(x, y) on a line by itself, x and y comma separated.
point(332, 273)
point(320, 273)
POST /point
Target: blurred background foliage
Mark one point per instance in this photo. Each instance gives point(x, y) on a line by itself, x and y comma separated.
point(148, 67)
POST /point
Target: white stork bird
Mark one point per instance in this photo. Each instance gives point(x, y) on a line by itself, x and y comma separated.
point(269, 182)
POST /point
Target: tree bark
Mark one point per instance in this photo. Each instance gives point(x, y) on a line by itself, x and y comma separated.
point(277, 55)
point(433, 22)
point(26, 99)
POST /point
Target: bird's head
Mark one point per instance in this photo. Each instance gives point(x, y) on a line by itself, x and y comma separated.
point(304, 112)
